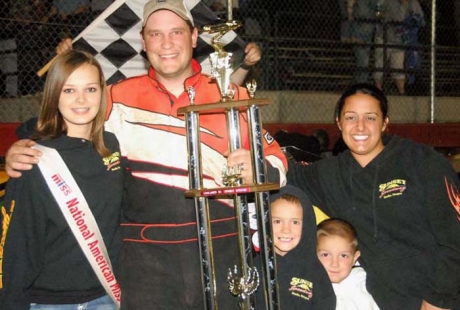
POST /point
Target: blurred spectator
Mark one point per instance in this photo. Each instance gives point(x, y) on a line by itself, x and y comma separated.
point(27, 11)
point(362, 13)
point(401, 19)
point(68, 8)
point(346, 16)
point(68, 18)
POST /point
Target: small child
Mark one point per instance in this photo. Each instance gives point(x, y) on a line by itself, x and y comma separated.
point(302, 280)
point(338, 252)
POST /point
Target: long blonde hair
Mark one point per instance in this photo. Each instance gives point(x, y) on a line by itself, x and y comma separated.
point(50, 123)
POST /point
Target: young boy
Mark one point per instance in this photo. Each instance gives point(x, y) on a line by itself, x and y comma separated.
point(302, 280)
point(338, 252)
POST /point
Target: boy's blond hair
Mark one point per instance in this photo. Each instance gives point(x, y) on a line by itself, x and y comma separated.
point(340, 228)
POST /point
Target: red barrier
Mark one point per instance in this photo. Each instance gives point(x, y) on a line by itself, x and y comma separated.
point(8, 136)
point(437, 135)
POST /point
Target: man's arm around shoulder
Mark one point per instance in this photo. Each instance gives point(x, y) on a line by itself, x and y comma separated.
point(21, 156)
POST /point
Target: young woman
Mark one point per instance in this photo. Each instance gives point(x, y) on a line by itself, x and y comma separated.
point(43, 265)
point(403, 199)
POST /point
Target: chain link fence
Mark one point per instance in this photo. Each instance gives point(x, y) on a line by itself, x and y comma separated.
point(314, 47)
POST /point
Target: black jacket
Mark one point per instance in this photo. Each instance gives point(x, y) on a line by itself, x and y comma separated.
point(303, 282)
point(405, 206)
point(42, 261)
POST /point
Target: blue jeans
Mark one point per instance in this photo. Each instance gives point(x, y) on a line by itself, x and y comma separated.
point(102, 303)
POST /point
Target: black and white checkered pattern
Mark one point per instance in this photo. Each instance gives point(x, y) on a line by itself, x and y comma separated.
point(114, 38)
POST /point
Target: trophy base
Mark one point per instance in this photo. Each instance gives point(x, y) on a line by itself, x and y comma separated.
point(232, 190)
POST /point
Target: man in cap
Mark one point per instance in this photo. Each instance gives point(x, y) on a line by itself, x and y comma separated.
point(160, 265)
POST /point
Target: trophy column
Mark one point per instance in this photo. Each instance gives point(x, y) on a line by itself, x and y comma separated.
point(201, 205)
point(243, 280)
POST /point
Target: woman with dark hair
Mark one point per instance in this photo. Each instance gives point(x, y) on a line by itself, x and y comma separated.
point(403, 199)
point(42, 266)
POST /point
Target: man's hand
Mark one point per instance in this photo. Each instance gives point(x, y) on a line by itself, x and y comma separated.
point(64, 45)
point(21, 156)
point(251, 58)
point(428, 306)
point(253, 54)
point(242, 157)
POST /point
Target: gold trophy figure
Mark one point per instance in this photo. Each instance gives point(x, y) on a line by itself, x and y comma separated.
point(221, 61)
point(221, 30)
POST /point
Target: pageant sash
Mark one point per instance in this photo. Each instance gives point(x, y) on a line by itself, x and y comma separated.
point(79, 217)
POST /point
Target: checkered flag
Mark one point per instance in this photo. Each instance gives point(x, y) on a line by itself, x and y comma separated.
point(113, 37)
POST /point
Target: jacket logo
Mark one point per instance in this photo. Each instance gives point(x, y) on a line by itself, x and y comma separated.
point(454, 196)
point(301, 288)
point(391, 189)
point(6, 215)
point(112, 162)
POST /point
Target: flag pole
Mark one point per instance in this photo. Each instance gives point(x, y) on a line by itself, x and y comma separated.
point(229, 10)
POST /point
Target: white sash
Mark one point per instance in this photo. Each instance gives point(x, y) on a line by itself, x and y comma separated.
point(79, 217)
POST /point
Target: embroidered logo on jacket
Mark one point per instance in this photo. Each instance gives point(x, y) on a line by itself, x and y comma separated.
point(301, 288)
point(454, 196)
point(112, 162)
point(6, 215)
point(391, 189)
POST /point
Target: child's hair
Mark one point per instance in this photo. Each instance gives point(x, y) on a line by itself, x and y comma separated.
point(289, 198)
point(50, 123)
point(340, 228)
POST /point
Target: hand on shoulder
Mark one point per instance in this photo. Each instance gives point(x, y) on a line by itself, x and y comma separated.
point(21, 156)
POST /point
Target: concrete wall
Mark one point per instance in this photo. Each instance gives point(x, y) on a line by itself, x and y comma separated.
point(290, 107)
point(316, 107)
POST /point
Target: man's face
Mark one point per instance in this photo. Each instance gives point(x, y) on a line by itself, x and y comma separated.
point(169, 44)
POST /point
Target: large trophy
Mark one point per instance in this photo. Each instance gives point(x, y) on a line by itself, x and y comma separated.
point(243, 279)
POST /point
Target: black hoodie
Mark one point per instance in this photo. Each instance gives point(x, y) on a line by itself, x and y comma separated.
point(303, 282)
point(42, 261)
point(405, 206)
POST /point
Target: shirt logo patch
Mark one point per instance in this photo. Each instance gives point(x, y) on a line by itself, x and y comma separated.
point(112, 162)
point(268, 137)
point(393, 188)
point(301, 288)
